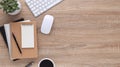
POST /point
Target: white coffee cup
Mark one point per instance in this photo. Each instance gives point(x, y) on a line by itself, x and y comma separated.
point(46, 61)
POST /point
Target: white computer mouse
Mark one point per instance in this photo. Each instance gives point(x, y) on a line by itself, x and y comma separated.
point(47, 24)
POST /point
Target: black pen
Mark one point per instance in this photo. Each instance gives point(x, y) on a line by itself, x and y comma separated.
point(16, 43)
point(29, 64)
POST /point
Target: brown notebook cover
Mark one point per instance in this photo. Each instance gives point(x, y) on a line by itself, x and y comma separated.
point(26, 52)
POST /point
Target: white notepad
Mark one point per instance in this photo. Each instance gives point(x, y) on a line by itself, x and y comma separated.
point(27, 33)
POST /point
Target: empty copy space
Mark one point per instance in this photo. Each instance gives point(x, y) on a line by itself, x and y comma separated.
point(27, 33)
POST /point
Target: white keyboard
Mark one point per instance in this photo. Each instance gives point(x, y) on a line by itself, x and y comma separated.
point(37, 7)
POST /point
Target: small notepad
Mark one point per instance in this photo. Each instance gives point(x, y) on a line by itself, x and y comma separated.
point(27, 34)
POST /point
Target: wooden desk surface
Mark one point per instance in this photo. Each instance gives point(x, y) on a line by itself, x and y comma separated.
point(86, 33)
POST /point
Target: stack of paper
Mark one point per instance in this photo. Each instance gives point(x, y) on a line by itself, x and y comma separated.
point(26, 37)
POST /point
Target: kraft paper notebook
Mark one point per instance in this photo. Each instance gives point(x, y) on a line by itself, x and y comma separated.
point(23, 32)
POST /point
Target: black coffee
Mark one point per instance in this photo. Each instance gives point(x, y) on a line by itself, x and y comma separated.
point(46, 63)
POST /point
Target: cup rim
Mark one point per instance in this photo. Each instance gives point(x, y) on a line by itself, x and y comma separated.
point(47, 59)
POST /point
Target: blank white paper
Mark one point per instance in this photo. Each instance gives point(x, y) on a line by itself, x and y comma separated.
point(7, 32)
point(27, 33)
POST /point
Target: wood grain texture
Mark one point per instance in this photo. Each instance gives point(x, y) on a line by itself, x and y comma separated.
point(86, 33)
